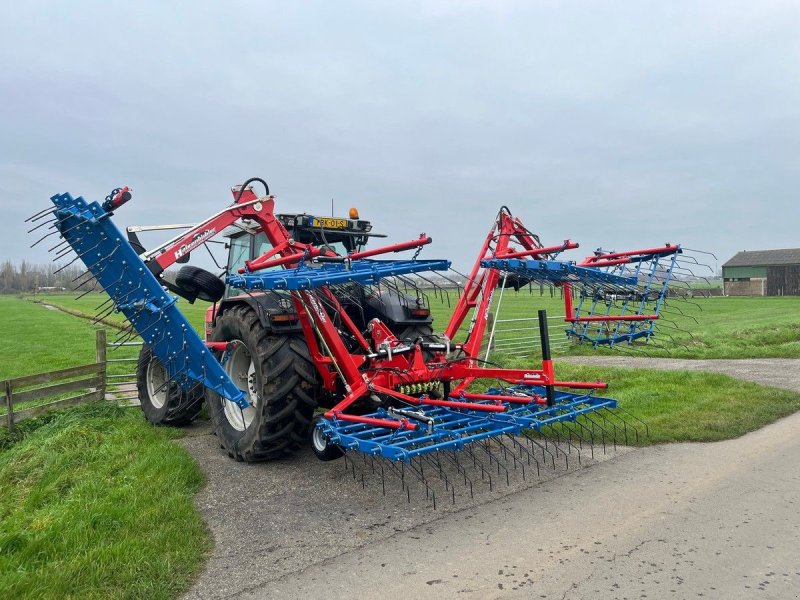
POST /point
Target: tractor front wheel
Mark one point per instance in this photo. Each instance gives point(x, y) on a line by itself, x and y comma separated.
point(280, 384)
point(164, 402)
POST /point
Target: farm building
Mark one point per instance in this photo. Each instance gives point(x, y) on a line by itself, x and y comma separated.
point(762, 273)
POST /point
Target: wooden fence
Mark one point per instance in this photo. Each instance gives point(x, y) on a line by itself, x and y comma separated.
point(89, 381)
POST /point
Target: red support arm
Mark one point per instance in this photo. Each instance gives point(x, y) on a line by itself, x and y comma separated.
point(617, 258)
point(422, 241)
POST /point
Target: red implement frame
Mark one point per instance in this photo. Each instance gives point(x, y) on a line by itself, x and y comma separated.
point(481, 283)
point(369, 372)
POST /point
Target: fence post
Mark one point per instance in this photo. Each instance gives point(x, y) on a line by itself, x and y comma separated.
point(100, 358)
point(9, 406)
point(547, 359)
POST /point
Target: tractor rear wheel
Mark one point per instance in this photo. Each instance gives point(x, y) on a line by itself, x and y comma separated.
point(164, 402)
point(280, 383)
point(412, 333)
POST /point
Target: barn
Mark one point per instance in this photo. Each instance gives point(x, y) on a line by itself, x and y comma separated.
point(762, 273)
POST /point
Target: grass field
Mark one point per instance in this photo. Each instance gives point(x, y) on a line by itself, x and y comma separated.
point(47, 340)
point(96, 503)
point(716, 327)
point(142, 536)
point(683, 406)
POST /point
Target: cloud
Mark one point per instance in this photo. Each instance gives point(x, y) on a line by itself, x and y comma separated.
point(616, 124)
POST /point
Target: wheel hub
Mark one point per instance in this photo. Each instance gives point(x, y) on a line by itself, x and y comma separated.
point(242, 371)
point(157, 385)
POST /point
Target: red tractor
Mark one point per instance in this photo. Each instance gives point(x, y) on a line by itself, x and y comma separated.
point(271, 359)
point(309, 318)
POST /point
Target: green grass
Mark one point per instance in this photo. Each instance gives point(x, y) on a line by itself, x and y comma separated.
point(97, 503)
point(47, 340)
point(41, 340)
point(684, 406)
point(87, 305)
point(717, 327)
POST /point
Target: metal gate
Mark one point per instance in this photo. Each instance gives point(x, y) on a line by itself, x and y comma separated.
point(520, 336)
point(121, 369)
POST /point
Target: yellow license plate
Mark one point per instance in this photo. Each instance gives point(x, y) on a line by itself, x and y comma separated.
point(328, 223)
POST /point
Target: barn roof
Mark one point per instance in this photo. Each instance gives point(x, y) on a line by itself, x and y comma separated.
point(765, 258)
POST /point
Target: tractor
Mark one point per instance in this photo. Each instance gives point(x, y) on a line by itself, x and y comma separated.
point(271, 358)
point(307, 318)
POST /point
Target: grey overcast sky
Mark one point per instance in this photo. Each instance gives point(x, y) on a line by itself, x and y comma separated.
point(611, 123)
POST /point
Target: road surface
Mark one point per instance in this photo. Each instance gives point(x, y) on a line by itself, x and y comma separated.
point(717, 520)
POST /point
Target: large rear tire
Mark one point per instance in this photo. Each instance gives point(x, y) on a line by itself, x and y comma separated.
point(280, 382)
point(164, 403)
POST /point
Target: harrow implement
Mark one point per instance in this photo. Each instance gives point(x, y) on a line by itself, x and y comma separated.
point(363, 271)
point(443, 429)
point(403, 395)
point(134, 291)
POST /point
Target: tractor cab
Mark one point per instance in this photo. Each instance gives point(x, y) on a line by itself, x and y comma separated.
point(404, 314)
point(342, 236)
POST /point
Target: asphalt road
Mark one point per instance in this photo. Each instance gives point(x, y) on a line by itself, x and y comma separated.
point(679, 521)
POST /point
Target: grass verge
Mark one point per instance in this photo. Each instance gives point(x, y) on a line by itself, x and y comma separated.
point(97, 503)
point(684, 406)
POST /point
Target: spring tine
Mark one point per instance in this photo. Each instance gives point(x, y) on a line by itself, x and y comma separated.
point(42, 224)
point(545, 450)
point(66, 265)
point(590, 433)
point(103, 314)
point(62, 253)
point(104, 302)
point(453, 458)
point(41, 214)
point(611, 413)
point(637, 419)
point(478, 464)
point(87, 272)
point(63, 242)
point(89, 291)
point(420, 473)
point(506, 452)
point(68, 229)
point(40, 240)
point(485, 447)
point(570, 445)
point(523, 450)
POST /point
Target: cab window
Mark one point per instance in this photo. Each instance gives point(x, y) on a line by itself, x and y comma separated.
point(238, 254)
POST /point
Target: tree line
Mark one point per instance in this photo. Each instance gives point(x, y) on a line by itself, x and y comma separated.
point(25, 278)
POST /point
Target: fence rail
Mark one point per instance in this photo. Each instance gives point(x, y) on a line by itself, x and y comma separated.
point(89, 380)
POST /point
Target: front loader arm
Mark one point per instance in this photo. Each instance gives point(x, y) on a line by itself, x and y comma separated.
point(247, 206)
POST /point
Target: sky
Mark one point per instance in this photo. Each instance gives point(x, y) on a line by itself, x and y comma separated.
point(614, 124)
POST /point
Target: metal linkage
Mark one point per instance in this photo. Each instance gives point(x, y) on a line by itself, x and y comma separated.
point(455, 428)
point(134, 291)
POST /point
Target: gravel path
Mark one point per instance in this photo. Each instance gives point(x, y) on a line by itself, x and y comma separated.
point(776, 372)
point(677, 521)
